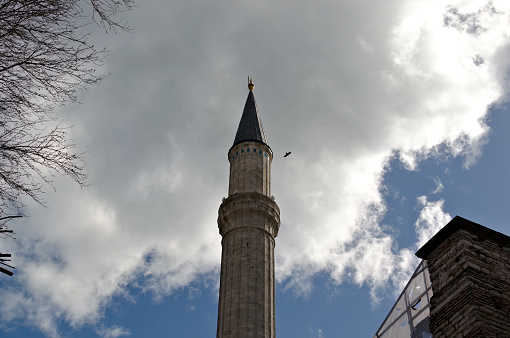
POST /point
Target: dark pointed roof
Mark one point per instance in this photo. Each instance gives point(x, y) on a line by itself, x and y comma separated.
point(250, 128)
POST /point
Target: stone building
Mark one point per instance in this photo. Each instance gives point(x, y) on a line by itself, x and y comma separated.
point(460, 289)
point(248, 221)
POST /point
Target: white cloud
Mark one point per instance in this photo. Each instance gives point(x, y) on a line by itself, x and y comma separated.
point(342, 84)
point(439, 185)
point(316, 332)
point(432, 218)
point(113, 332)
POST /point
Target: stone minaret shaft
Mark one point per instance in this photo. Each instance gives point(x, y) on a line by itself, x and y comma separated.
point(248, 221)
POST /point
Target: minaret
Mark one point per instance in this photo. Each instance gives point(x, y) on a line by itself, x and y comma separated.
point(248, 220)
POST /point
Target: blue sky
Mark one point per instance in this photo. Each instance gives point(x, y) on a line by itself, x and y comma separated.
point(385, 110)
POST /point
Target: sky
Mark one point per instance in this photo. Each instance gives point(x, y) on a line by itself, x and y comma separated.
point(396, 113)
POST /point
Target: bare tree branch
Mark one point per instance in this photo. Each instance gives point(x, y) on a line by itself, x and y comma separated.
point(45, 59)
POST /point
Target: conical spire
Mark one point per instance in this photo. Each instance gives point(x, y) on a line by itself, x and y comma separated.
point(250, 128)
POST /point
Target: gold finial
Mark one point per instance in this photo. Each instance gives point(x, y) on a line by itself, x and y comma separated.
point(250, 83)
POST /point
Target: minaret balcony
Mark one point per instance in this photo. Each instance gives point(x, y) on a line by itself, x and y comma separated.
point(249, 209)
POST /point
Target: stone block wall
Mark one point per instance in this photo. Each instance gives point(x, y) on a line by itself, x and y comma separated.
point(247, 288)
point(469, 268)
point(248, 223)
point(250, 168)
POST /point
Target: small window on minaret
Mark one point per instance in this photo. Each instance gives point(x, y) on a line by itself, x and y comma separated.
point(260, 152)
point(236, 153)
point(248, 150)
point(242, 151)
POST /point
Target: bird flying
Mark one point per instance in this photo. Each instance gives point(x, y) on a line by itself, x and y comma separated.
point(287, 154)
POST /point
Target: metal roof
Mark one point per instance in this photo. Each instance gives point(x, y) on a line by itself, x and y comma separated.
point(250, 127)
